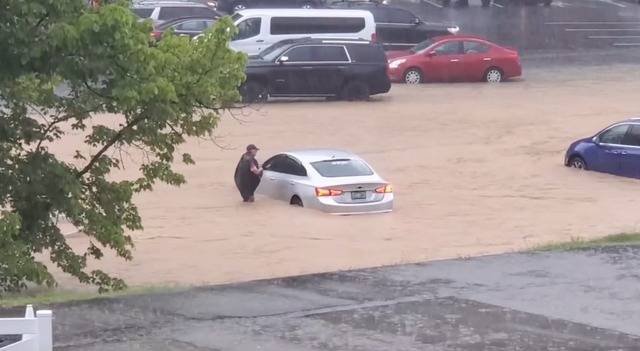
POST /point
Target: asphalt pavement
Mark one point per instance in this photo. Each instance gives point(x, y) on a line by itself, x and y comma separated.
point(580, 300)
point(577, 300)
point(566, 26)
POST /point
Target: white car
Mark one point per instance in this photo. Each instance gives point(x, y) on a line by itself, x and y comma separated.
point(333, 181)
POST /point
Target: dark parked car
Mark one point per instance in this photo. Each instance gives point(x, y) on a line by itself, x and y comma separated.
point(184, 26)
point(487, 3)
point(397, 28)
point(348, 69)
point(232, 6)
point(614, 150)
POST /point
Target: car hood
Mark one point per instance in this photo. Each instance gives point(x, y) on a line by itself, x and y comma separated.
point(397, 54)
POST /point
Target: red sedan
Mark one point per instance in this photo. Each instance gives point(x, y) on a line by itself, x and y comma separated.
point(454, 58)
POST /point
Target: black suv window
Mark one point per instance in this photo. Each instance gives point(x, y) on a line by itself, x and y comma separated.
point(448, 48)
point(330, 53)
point(248, 28)
point(613, 135)
point(474, 47)
point(367, 53)
point(300, 54)
point(632, 138)
point(143, 13)
point(400, 16)
point(285, 164)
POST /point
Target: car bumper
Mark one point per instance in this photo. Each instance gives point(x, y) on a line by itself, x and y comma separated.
point(396, 75)
point(329, 205)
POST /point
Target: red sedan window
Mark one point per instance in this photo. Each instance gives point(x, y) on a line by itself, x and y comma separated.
point(474, 47)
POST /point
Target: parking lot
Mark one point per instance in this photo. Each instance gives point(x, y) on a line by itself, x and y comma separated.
point(566, 25)
point(477, 169)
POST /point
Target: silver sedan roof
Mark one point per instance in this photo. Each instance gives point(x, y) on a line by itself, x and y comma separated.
point(314, 155)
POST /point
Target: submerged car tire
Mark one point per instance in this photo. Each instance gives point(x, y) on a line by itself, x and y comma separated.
point(355, 91)
point(578, 163)
point(413, 76)
point(253, 92)
point(296, 201)
point(493, 75)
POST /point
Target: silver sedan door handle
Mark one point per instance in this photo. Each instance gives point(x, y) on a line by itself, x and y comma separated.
point(292, 182)
point(272, 178)
point(623, 152)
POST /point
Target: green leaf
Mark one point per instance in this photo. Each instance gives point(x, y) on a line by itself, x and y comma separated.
point(165, 94)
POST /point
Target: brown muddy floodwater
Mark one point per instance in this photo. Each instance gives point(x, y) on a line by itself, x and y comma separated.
point(477, 169)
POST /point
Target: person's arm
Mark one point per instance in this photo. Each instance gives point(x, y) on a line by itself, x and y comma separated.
point(255, 169)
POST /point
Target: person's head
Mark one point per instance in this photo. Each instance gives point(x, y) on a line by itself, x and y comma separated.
point(252, 149)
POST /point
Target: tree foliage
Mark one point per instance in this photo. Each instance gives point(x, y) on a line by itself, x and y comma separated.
point(65, 66)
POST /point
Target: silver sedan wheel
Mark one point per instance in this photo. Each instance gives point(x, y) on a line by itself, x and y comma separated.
point(412, 77)
point(494, 76)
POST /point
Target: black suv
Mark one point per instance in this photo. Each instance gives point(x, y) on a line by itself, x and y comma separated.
point(397, 28)
point(348, 69)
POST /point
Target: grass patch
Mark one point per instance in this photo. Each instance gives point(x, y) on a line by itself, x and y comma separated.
point(581, 243)
point(56, 296)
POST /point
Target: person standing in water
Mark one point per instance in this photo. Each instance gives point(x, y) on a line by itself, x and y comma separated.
point(248, 174)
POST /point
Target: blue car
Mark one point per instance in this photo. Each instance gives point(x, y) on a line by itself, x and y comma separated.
point(614, 150)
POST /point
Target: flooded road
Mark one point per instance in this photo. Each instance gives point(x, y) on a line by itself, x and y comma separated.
point(477, 169)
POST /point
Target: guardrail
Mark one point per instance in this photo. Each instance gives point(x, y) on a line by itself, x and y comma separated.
point(36, 330)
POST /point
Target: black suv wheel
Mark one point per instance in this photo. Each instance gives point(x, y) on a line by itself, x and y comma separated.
point(253, 92)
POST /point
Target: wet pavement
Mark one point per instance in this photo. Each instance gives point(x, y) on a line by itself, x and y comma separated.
point(566, 26)
point(579, 300)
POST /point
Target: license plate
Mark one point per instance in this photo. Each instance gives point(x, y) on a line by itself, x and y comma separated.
point(358, 195)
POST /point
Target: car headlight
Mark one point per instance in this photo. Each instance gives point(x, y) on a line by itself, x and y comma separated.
point(453, 30)
point(396, 63)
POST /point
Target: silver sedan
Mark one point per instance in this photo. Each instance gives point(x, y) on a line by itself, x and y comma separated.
point(333, 181)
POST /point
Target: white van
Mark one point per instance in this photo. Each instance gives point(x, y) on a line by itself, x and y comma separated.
point(260, 28)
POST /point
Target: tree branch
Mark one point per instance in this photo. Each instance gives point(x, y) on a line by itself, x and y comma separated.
point(109, 144)
point(46, 15)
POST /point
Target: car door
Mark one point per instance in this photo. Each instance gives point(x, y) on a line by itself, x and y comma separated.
point(287, 181)
point(475, 60)
point(630, 153)
point(249, 38)
point(387, 33)
point(191, 28)
point(408, 27)
point(272, 168)
point(443, 62)
point(294, 75)
point(329, 70)
point(280, 176)
point(609, 150)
